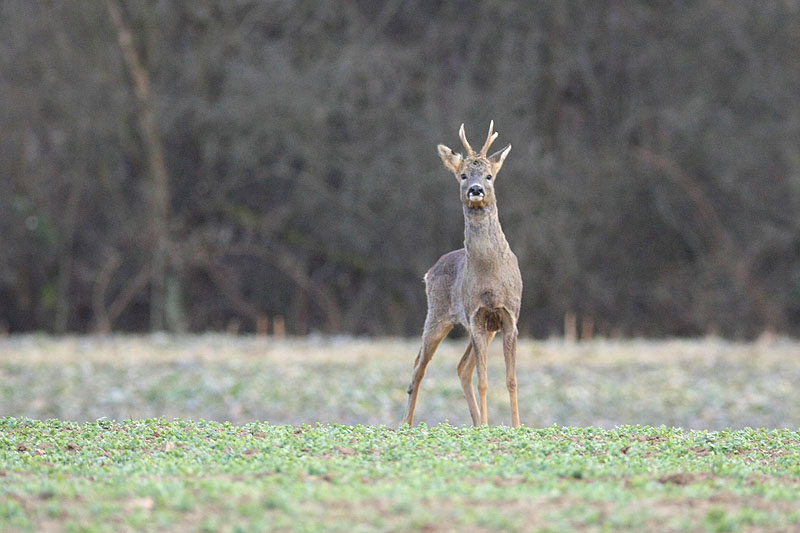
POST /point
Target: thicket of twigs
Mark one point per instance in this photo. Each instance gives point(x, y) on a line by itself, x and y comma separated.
point(196, 165)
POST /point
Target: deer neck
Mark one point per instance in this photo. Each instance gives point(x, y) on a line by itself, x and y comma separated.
point(484, 240)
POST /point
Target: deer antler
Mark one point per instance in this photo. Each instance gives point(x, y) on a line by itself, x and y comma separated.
point(470, 151)
point(490, 137)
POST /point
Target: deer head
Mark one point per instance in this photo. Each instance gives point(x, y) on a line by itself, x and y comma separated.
point(476, 172)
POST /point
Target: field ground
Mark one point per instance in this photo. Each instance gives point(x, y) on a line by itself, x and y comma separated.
point(307, 443)
point(704, 384)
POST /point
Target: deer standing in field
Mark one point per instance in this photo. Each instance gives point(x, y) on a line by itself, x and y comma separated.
point(478, 286)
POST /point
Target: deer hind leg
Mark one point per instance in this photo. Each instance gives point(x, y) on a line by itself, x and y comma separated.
point(480, 345)
point(431, 338)
point(510, 355)
point(465, 369)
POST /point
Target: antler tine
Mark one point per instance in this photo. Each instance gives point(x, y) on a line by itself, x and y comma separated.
point(470, 151)
point(490, 137)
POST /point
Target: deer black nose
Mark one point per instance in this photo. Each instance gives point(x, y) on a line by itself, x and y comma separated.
point(475, 190)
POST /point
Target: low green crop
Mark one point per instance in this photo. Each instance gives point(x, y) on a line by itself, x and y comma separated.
point(158, 474)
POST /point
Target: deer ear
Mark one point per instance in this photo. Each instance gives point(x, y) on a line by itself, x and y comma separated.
point(450, 158)
point(497, 158)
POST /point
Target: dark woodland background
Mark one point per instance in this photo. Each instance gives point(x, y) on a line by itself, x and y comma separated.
point(193, 165)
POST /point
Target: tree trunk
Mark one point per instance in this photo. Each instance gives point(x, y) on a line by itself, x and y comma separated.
point(66, 256)
point(159, 197)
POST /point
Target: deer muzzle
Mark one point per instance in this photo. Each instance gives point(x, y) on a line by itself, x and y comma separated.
point(475, 193)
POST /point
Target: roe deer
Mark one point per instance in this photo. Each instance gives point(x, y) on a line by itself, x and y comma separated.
point(478, 286)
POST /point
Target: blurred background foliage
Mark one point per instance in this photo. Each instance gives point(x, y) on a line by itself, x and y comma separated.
point(193, 165)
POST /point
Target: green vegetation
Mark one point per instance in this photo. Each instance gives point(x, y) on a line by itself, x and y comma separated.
point(156, 474)
point(114, 455)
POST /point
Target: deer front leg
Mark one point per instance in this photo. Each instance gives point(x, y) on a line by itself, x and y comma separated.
point(510, 355)
point(431, 338)
point(480, 343)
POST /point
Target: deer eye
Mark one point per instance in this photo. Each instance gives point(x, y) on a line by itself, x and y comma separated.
point(489, 177)
point(463, 176)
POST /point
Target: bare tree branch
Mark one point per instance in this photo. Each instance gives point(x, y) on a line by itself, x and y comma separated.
point(160, 196)
point(290, 265)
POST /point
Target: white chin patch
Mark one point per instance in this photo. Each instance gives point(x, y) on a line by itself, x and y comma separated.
point(475, 197)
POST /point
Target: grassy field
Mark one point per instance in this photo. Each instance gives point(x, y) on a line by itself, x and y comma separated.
point(307, 446)
point(154, 474)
